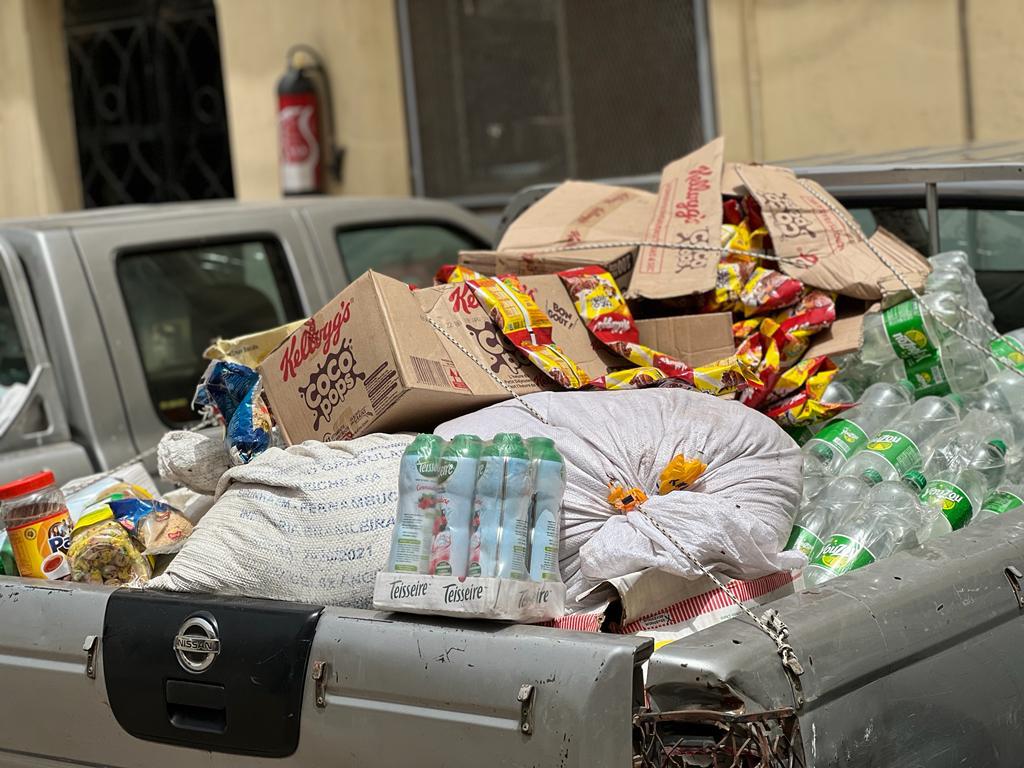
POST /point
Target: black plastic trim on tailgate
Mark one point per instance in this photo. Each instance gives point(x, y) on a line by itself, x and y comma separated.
point(247, 701)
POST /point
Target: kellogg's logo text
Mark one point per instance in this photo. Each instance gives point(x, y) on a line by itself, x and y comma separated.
point(312, 340)
point(697, 181)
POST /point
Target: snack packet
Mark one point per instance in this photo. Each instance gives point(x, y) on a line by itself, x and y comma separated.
point(455, 273)
point(524, 324)
point(158, 527)
point(729, 281)
point(767, 290)
point(102, 552)
point(806, 406)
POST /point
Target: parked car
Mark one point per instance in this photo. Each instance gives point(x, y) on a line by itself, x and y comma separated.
point(104, 314)
point(910, 661)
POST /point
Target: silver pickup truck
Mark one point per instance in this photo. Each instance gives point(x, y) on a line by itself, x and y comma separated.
point(911, 661)
point(104, 314)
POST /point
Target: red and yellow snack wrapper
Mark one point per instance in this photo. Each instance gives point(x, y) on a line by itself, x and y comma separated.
point(788, 382)
point(767, 353)
point(454, 273)
point(744, 329)
point(603, 309)
point(793, 328)
point(524, 324)
point(729, 282)
point(680, 473)
point(806, 407)
point(767, 290)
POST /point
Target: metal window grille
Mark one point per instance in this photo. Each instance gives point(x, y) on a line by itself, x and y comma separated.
point(148, 100)
point(502, 94)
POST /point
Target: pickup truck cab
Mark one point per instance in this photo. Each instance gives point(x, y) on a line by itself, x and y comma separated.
point(104, 314)
point(911, 661)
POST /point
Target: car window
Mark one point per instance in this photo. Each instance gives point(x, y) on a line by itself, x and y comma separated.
point(411, 253)
point(13, 361)
point(991, 238)
point(180, 299)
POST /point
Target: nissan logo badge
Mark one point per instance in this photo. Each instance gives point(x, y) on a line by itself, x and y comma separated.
point(196, 645)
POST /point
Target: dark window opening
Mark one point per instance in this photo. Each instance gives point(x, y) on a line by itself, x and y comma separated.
point(148, 100)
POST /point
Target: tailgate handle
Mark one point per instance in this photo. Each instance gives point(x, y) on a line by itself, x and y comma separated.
point(525, 698)
point(197, 706)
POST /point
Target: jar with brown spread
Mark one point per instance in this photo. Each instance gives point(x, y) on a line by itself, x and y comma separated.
point(35, 514)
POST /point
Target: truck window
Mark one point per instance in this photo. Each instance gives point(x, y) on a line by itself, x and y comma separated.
point(411, 253)
point(180, 299)
point(991, 237)
point(13, 362)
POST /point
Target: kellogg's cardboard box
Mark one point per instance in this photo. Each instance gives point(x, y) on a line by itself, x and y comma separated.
point(370, 361)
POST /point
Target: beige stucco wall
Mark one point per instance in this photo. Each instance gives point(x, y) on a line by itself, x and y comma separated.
point(38, 157)
point(358, 40)
point(816, 76)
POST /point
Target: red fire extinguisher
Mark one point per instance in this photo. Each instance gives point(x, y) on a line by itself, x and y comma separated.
point(303, 154)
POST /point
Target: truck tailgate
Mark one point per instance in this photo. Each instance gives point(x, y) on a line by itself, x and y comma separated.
point(391, 690)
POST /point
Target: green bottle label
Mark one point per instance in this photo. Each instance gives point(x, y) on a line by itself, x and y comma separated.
point(952, 500)
point(841, 554)
point(1001, 501)
point(927, 376)
point(904, 324)
point(842, 435)
point(804, 542)
point(901, 453)
point(1009, 351)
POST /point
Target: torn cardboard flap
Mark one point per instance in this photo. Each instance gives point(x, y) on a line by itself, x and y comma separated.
point(844, 336)
point(617, 263)
point(573, 213)
point(818, 246)
point(251, 349)
point(694, 339)
point(688, 211)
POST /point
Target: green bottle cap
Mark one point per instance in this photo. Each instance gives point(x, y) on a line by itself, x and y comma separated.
point(916, 479)
point(999, 445)
point(543, 448)
point(508, 445)
point(955, 399)
point(427, 449)
point(907, 385)
point(871, 476)
point(464, 445)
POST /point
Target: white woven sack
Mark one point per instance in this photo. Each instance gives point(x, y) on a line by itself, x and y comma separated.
point(735, 518)
point(310, 523)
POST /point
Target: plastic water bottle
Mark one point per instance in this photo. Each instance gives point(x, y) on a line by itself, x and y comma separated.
point(843, 436)
point(886, 522)
point(549, 487)
point(956, 495)
point(818, 518)
point(909, 330)
point(989, 460)
point(501, 520)
point(417, 505)
point(956, 447)
point(897, 449)
point(1004, 499)
point(460, 461)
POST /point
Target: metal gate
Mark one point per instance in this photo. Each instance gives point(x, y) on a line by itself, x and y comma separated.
point(148, 100)
point(502, 94)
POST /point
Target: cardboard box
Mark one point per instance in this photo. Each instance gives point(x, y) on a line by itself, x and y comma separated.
point(572, 213)
point(694, 339)
point(688, 211)
point(371, 361)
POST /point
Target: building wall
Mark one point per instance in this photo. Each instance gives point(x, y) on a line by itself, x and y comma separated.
point(358, 40)
point(807, 77)
point(38, 156)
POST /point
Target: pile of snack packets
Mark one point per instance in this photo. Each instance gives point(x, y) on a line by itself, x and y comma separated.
point(775, 317)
